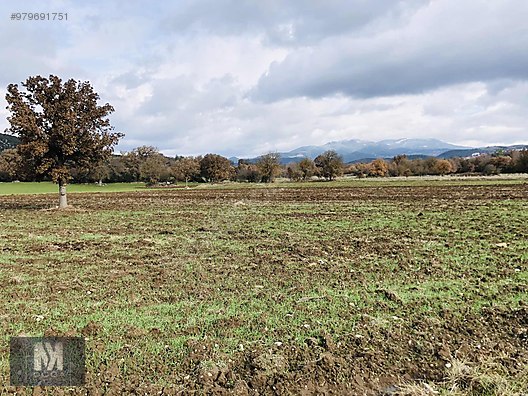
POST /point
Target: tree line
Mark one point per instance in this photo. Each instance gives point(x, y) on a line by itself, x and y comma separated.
point(512, 161)
point(147, 164)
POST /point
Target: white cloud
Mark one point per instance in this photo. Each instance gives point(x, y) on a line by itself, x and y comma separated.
point(184, 76)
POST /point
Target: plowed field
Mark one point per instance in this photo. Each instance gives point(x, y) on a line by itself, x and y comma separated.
point(334, 290)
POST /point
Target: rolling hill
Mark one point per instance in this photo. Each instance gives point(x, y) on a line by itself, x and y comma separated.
point(8, 141)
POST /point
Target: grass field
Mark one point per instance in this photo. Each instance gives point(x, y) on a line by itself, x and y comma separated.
point(354, 288)
point(48, 187)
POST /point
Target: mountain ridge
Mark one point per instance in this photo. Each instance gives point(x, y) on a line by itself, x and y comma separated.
point(353, 150)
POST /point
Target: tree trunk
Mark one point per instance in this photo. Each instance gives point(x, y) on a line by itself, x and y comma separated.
point(63, 201)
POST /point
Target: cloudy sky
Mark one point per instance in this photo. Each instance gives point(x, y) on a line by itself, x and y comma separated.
point(244, 77)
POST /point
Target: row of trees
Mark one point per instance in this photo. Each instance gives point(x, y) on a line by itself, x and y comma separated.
point(148, 165)
point(515, 161)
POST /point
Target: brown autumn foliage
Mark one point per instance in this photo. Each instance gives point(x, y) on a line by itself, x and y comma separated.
point(60, 126)
point(215, 168)
point(269, 167)
point(329, 164)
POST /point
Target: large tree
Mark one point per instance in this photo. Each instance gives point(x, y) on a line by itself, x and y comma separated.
point(307, 168)
point(60, 126)
point(379, 168)
point(330, 164)
point(247, 172)
point(186, 169)
point(293, 172)
point(215, 168)
point(269, 166)
point(148, 164)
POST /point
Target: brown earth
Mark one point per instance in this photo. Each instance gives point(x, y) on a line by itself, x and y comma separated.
point(372, 359)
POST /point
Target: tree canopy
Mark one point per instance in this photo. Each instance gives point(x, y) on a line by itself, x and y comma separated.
point(330, 164)
point(60, 126)
point(269, 166)
point(215, 168)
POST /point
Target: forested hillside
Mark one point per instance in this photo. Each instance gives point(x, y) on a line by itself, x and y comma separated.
point(7, 141)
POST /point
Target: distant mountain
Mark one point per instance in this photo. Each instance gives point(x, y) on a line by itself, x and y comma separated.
point(8, 141)
point(343, 146)
point(355, 150)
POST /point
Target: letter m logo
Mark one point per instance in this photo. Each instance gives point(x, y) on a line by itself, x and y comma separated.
point(48, 356)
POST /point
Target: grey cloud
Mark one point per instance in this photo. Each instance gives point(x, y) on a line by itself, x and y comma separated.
point(284, 23)
point(130, 79)
point(416, 58)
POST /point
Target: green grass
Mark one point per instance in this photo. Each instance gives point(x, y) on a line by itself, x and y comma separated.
point(245, 269)
point(416, 181)
point(48, 187)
